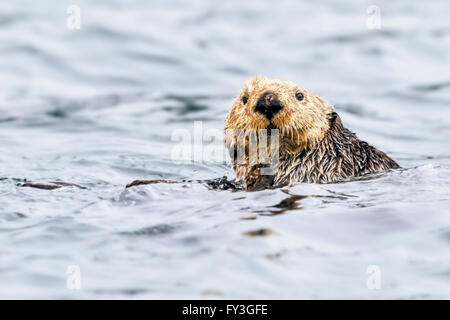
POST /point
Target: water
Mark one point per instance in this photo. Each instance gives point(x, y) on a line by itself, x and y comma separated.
point(98, 107)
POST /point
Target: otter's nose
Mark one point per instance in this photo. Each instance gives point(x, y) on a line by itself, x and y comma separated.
point(268, 105)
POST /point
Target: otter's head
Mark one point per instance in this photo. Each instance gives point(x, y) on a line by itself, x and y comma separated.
point(301, 117)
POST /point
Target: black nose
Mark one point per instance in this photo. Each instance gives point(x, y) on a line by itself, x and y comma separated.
point(268, 105)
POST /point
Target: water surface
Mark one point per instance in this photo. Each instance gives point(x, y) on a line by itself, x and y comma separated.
point(98, 107)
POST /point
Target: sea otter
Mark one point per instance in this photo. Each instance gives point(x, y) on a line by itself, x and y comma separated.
point(313, 144)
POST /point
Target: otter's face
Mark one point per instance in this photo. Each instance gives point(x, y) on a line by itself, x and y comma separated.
point(301, 117)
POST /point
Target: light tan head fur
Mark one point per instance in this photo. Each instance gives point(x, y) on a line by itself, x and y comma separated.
point(301, 123)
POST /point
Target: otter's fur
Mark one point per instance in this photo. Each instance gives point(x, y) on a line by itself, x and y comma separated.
point(314, 145)
point(338, 157)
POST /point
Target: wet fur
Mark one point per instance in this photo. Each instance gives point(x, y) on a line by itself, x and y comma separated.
point(338, 157)
point(314, 145)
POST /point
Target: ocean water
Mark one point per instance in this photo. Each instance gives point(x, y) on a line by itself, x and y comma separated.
point(100, 106)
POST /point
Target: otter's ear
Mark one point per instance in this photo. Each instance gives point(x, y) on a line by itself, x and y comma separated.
point(334, 120)
point(332, 117)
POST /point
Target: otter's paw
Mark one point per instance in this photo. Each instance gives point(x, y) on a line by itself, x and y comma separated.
point(255, 180)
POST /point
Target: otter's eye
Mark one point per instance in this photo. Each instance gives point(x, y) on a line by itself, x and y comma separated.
point(299, 96)
point(244, 100)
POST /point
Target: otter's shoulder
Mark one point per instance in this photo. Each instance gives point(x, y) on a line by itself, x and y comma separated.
point(357, 157)
point(340, 156)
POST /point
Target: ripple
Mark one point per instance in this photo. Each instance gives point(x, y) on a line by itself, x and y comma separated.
point(158, 230)
point(98, 106)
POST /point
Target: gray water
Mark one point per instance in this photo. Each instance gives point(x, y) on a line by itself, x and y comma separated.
point(97, 106)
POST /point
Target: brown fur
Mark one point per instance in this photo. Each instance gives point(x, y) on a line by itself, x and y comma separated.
point(314, 146)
